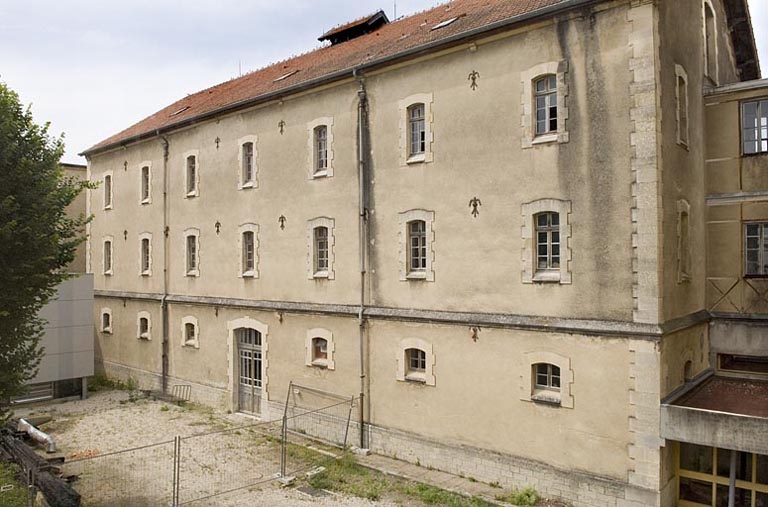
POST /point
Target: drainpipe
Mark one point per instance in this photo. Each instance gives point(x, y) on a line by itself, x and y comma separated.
point(362, 176)
point(166, 242)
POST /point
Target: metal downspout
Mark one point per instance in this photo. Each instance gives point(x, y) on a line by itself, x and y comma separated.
point(164, 299)
point(362, 150)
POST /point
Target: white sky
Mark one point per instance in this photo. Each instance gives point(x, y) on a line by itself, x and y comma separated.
point(95, 67)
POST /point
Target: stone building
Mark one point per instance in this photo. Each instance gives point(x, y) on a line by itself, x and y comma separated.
point(492, 221)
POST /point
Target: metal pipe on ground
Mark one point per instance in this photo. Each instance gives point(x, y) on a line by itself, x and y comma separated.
point(37, 435)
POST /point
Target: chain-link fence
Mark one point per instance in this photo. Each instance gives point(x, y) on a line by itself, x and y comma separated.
point(216, 468)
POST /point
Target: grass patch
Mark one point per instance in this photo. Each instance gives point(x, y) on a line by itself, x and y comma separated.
point(101, 382)
point(524, 497)
point(16, 497)
point(431, 495)
point(346, 476)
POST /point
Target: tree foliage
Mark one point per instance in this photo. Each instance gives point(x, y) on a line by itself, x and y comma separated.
point(37, 238)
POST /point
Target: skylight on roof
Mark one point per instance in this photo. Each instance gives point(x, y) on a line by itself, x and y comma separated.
point(445, 23)
point(179, 111)
point(285, 76)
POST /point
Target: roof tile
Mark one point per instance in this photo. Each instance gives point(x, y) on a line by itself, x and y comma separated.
point(390, 40)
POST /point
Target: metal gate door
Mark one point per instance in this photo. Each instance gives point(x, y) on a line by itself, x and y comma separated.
point(249, 370)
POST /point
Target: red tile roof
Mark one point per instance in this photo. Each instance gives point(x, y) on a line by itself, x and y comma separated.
point(331, 62)
point(731, 395)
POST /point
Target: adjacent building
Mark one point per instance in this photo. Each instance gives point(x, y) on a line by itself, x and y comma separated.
point(510, 228)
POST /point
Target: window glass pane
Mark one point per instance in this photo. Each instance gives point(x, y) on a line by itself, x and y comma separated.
point(762, 469)
point(761, 499)
point(743, 464)
point(695, 491)
point(696, 458)
point(743, 496)
point(552, 82)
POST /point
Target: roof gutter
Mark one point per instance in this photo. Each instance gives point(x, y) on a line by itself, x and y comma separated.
point(345, 73)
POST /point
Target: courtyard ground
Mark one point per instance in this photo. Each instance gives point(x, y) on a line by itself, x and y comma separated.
point(223, 452)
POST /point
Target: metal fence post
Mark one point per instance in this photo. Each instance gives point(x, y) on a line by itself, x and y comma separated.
point(31, 492)
point(176, 471)
point(284, 433)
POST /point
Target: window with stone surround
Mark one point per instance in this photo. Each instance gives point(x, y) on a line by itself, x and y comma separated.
point(107, 189)
point(681, 103)
point(145, 254)
point(415, 361)
point(107, 255)
point(192, 252)
point(249, 250)
point(546, 253)
point(710, 41)
point(106, 320)
point(191, 174)
point(320, 248)
point(320, 348)
point(549, 379)
point(320, 146)
point(143, 326)
point(683, 241)
point(190, 332)
point(416, 243)
point(543, 104)
point(416, 129)
point(246, 159)
point(145, 183)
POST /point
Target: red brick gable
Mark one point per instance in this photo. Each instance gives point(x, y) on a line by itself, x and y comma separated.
point(390, 41)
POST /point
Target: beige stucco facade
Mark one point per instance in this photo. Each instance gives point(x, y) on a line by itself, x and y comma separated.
point(616, 317)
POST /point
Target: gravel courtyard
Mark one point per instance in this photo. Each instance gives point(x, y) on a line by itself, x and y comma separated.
point(219, 452)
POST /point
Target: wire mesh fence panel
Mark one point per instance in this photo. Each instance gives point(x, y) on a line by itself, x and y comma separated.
point(141, 477)
point(229, 462)
point(313, 414)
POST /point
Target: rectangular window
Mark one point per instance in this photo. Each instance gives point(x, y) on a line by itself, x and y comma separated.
point(191, 175)
point(321, 148)
point(749, 364)
point(321, 249)
point(545, 90)
point(189, 333)
point(417, 361)
point(145, 184)
point(319, 349)
point(416, 130)
point(547, 241)
point(754, 127)
point(417, 246)
point(145, 256)
point(108, 257)
point(247, 163)
point(710, 43)
point(191, 254)
point(547, 376)
point(756, 249)
point(248, 252)
point(108, 191)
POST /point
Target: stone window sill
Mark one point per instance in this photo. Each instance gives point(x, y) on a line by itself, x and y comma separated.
point(546, 397)
point(320, 174)
point(550, 137)
point(416, 159)
point(416, 275)
point(416, 377)
point(547, 277)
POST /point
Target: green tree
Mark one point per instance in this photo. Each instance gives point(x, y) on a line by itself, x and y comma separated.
point(37, 238)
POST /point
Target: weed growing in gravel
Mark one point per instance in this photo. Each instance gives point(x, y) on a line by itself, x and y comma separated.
point(524, 497)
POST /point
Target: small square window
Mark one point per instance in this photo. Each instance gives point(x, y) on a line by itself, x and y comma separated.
point(416, 365)
point(546, 383)
point(189, 334)
point(756, 249)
